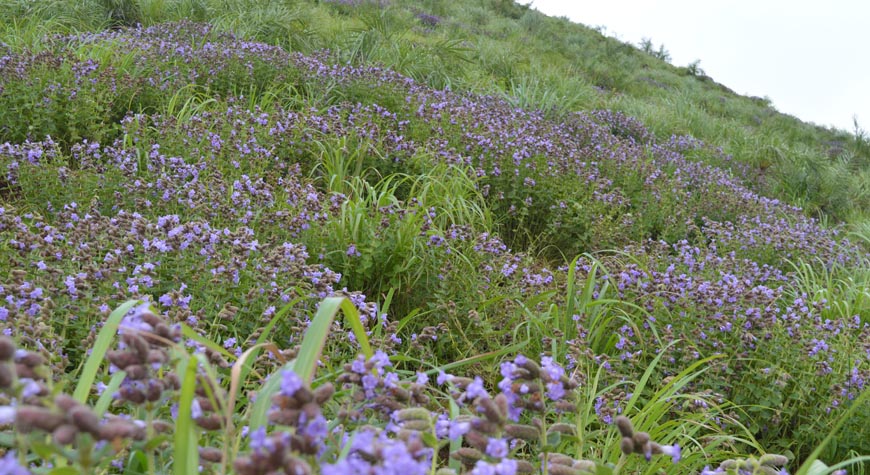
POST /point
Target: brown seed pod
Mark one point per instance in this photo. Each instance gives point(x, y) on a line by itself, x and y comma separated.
point(85, 420)
point(162, 427)
point(122, 359)
point(296, 466)
point(561, 428)
point(136, 343)
point(30, 418)
point(132, 394)
point(117, 429)
point(491, 411)
point(485, 427)
point(476, 440)
point(24, 371)
point(136, 372)
point(65, 434)
point(324, 393)
point(156, 357)
point(525, 468)
point(211, 454)
point(66, 403)
point(212, 422)
point(31, 359)
point(154, 390)
point(6, 376)
point(284, 417)
point(7, 348)
point(533, 368)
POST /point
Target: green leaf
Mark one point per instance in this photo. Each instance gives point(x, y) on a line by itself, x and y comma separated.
point(98, 352)
point(64, 471)
point(603, 470)
point(817, 468)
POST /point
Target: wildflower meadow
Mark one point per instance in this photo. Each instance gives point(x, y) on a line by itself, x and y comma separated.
point(370, 237)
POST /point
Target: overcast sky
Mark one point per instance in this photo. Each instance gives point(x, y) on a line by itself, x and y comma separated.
point(811, 58)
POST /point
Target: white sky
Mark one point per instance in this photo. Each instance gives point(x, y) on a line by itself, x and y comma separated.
point(810, 57)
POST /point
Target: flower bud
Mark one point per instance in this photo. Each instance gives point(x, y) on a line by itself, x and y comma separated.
point(85, 420)
point(122, 359)
point(136, 372)
point(491, 411)
point(212, 422)
point(624, 425)
point(773, 460)
point(296, 466)
point(65, 434)
point(532, 367)
point(417, 425)
point(585, 466)
point(6, 376)
point(7, 348)
point(525, 468)
point(627, 446)
point(29, 418)
point(467, 455)
point(557, 469)
point(211, 454)
point(324, 393)
point(562, 428)
point(66, 403)
point(30, 359)
point(414, 413)
point(559, 459)
point(522, 431)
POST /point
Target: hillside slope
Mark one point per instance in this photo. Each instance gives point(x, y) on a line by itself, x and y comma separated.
point(234, 174)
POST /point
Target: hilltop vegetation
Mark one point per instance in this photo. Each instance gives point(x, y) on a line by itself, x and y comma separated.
point(476, 186)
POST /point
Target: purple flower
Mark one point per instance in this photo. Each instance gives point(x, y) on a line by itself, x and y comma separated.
point(458, 429)
point(497, 448)
point(555, 391)
point(9, 465)
point(290, 382)
point(475, 389)
point(673, 451)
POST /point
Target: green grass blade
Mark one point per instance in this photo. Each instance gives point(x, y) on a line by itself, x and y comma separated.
point(186, 452)
point(857, 403)
point(190, 333)
point(106, 398)
point(309, 353)
point(98, 352)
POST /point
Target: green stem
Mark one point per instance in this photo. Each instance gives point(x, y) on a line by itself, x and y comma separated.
point(619, 464)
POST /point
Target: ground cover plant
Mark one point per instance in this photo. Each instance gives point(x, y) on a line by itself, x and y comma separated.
point(228, 250)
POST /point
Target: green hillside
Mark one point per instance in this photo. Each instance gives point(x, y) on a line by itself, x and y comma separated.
point(358, 236)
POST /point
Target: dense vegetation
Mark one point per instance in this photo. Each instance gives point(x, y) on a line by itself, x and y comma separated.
point(461, 236)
